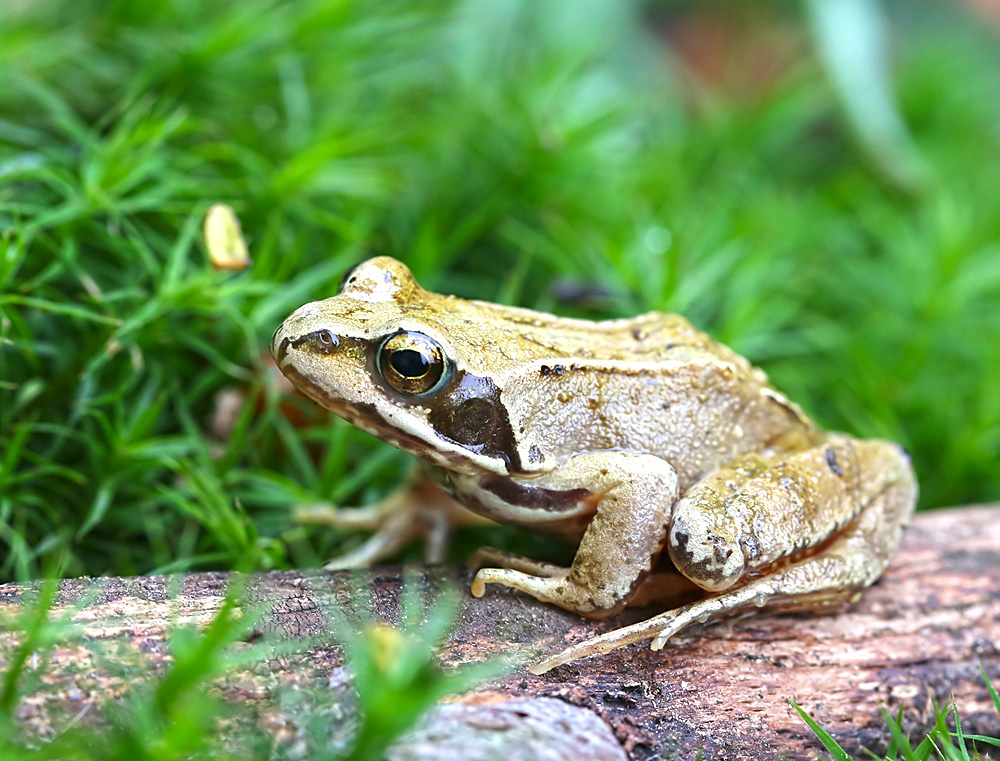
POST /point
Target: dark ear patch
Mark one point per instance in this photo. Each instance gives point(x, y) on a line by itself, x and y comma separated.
point(474, 422)
point(470, 414)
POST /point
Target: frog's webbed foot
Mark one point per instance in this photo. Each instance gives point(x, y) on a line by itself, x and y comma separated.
point(419, 509)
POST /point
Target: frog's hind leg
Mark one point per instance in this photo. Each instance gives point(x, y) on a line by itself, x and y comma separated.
point(754, 512)
point(830, 573)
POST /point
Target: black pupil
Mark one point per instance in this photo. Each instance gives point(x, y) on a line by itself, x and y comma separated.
point(409, 363)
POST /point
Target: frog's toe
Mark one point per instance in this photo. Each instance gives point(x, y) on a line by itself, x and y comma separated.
point(486, 576)
point(322, 514)
point(600, 645)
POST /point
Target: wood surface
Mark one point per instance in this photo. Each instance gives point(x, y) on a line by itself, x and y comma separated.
point(918, 636)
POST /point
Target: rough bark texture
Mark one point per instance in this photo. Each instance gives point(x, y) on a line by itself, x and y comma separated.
point(918, 635)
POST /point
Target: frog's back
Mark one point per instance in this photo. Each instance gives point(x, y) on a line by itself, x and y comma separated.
point(651, 384)
point(650, 337)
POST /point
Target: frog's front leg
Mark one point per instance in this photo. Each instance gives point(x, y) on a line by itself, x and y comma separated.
point(631, 496)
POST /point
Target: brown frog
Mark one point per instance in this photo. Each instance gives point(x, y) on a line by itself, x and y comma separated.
point(666, 458)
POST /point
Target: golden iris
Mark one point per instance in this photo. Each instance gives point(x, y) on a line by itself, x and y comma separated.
point(411, 363)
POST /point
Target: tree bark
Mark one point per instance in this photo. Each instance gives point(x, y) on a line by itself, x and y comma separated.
point(917, 636)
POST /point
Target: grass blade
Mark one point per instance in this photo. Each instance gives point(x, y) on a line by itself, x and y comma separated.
point(831, 745)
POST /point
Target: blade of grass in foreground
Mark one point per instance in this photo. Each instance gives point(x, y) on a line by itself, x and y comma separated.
point(940, 739)
point(832, 746)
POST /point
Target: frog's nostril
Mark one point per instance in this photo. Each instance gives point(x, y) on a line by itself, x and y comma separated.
point(322, 342)
point(327, 340)
point(318, 342)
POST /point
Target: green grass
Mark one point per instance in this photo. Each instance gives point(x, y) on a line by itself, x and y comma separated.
point(498, 149)
point(183, 713)
point(945, 741)
point(504, 150)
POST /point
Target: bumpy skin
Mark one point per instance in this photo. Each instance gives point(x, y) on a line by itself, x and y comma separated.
point(627, 437)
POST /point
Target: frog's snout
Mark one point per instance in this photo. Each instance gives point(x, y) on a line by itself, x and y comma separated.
point(282, 340)
point(290, 329)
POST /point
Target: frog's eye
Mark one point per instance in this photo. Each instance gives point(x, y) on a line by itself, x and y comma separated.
point(412, 363)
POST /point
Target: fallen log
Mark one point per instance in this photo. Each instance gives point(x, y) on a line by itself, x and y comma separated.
point(920, 635)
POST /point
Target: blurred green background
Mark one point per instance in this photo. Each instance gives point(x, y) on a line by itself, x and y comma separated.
point(816, 184)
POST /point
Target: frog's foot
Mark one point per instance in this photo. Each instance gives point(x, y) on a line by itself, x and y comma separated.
point(417, 510)
point(658, 587)
point(392, 530)
point(662, 627)
point(553, 584)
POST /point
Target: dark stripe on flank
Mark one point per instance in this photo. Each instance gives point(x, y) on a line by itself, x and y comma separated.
point(551, 500)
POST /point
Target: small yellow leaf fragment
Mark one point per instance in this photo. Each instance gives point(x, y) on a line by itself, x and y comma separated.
point(223, 239)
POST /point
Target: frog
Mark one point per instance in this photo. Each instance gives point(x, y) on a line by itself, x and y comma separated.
point(681, 476)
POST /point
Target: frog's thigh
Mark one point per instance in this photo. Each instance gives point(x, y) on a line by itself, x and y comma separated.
point(752, 512)
point(852, 561)
point(622, 542)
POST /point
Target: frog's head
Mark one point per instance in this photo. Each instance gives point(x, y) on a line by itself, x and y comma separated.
point(379, 354)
